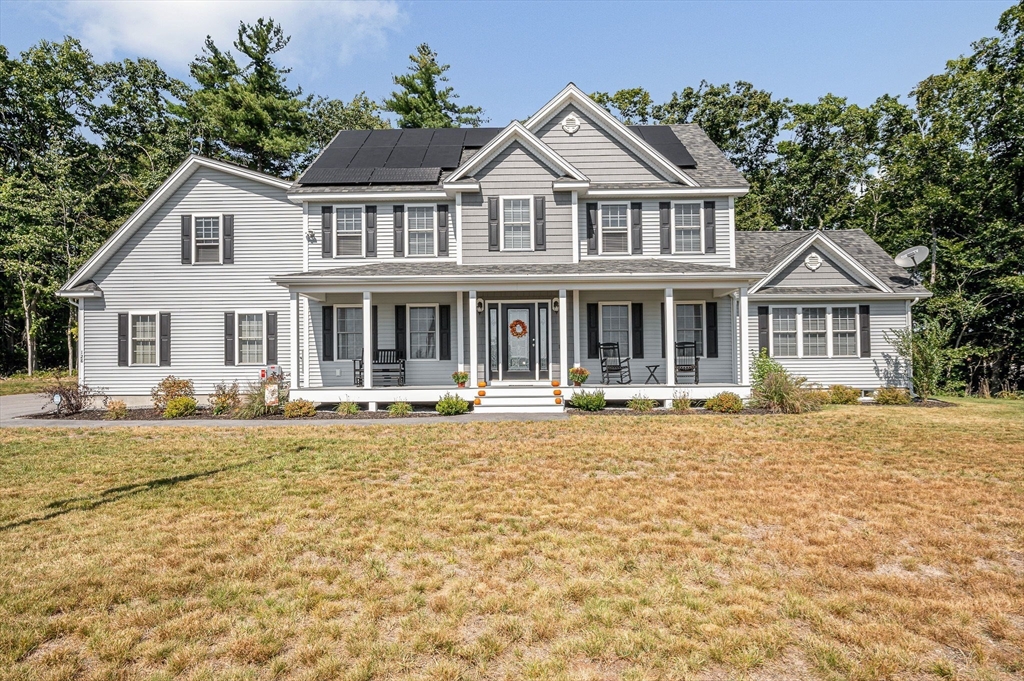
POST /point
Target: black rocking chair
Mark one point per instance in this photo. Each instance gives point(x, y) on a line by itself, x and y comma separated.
point(687, 361)
point(613, 363)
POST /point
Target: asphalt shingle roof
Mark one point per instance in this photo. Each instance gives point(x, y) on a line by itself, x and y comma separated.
point(713, 168)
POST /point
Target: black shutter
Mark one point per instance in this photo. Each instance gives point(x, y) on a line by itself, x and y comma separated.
point(592, 337)
point(637, 228)
point(711, 311)
point(326, 236)
point(400, 330)
point(865, 330)
point(229, 339)
point(665, 217)
point(762, 328)
point(442, 229)
point(399, 213)
point(122, 339)
point(663, 329)
point(493, 238)
point(591, 229)
point(540, 236)
point(327, 333)
point(165, 339)
point(371, 231)
point(186, 240)
point(373, 316)
point(638, 330)
point(229, 239)
point(709, 226)
point(271, 337)
point(444, 331)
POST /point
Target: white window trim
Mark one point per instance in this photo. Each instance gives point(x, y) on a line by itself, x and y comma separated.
point(334, 324)
point(131, 338)
point(600, 228)
point(501, 223)
point(703, 319)
point(407, 231)
point(238, 337)
point(334, 231)
point(220, 232)
point(629, 324)
point(437, 332)
point(830, 350)
point(700, 227)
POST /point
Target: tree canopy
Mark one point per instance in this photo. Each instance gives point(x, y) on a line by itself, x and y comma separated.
point(422, 102)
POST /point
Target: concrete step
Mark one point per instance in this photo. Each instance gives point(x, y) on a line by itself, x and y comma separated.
point(511, 401)
point(518, 409)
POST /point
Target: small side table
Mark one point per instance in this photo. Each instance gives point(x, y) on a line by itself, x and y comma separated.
point(651, 368)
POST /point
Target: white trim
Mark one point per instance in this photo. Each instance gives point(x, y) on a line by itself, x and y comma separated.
point(132, 314)
point(238, 338)
point(516, 132)
point(829, 344)
point(600, 228)
point(501, 223)
point(837, 252)
point(407, 230)
point(666, 192)
point(334, 232)
point(575, 227)
point(460, 320)
point(563, 338)
point(367, 340)
point(699, 228)
point(732, 231)
point(458, 228)
point(220, 234)
point(629, 323)
point(576, 354)
point(408, 333)
point(668, 328)
point(334, 324)
point(744, 314)
point(293, 337)
point(703, 321)
point(372, 197)
point(474, 341)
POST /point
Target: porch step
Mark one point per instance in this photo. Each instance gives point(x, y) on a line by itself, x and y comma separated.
point(524, 399)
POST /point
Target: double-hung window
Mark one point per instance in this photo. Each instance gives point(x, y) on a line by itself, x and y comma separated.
point(349, 231)
point(615, 326)
point(687, 227)
point(350, 333)
point(207, 240)
point(250, 338)
point(516, 224)
point(690, 325)
point(815, 332)
point(421, 230)
point(423, 332)
point(844, 331)
point(615, 228)
point(784, 332)
point(144, 339)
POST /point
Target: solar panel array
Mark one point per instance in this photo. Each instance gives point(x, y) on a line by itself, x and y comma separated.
point(665, 141)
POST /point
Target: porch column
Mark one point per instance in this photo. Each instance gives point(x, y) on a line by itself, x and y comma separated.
point(473, 373)
point(293, 337)
point(461, 335)
point(670, 337)
point(563, 339)
point(744, 336)
point(367, 343)
point(577, 353)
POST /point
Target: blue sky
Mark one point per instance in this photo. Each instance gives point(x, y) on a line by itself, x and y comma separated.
point(511, 57)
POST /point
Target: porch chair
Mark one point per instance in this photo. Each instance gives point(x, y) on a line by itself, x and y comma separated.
point(687, 361)
point(613, 363)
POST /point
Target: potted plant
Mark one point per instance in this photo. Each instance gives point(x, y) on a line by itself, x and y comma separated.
point(460, 378)
point(578, 375)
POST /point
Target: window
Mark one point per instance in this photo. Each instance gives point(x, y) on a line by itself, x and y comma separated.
point(815, 332)
point(207, 240)
point(844, 331)
point(423, 332)
point(421, 230)
point(349, 232)
point(615, 326)
point(784, 332)
point(350, 333)
point(144, 339)
point(516, 224)
point(615, 228)
point(250, 338)
point(687, 228)
point(690, 325)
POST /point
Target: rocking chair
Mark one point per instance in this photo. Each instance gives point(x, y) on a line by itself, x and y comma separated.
point(613, 363)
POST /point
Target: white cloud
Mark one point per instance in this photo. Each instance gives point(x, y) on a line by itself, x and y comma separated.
point(173, 31)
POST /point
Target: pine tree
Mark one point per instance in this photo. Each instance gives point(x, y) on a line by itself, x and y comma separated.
point(420, 104)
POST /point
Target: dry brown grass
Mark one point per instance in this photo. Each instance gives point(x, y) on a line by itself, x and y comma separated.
point(856, 543)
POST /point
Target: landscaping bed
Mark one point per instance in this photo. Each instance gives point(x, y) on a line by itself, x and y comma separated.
point(205, 413)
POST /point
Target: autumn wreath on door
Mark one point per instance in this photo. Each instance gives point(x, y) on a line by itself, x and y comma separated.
point(517, 328)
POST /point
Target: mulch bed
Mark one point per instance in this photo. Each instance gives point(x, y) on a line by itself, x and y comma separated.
point(151, 414)
point(693, 411)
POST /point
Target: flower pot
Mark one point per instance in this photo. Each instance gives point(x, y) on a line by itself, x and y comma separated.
point(576, 383)
point(462, 384)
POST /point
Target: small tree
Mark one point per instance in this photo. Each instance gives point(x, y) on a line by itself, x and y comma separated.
point(925, 350)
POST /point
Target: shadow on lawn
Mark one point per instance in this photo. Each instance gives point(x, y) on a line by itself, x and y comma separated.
point(117, 493)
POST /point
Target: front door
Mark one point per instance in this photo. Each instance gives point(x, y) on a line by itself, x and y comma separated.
point(520, 343)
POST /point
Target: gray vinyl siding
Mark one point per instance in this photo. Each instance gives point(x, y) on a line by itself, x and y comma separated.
point(828, 274)
point(146, 274)
point(516, 171)
point(595, 152)
point(884, 367)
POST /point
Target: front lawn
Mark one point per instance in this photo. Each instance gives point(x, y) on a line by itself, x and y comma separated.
point(855, 543)
point(20, 384)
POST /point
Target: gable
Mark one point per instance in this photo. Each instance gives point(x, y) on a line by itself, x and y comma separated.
point(514, 168)
point(595, 151)
point(829, 273)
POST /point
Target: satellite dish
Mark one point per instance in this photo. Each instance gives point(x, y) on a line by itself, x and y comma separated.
point(912, 257)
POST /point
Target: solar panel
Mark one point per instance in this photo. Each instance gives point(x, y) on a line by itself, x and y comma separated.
point(350, 138)
point(478, 137)
point(443, 156)
point(337, 175)
point(382, 138)
point(405, 175)
point(406, 157)
point(448, 136)
point(416, 137)
point(336, 157)
point(370, 157)
point(665, 141)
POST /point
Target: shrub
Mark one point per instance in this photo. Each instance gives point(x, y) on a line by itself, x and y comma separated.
point(592, 401)
point(578, 375)
point(763, 366)
point(681, 401)
point(348, 408)
point(73, 397)
point(451, 405)
point(927, 351)
point(1009, 395)
point(254, 404)
point(299, 409)
point(890, 394)
point(778, 391)
point(399, 409)
point(460, 377)
point(225, 398)
point(724, 403)
point(641, 404)
point(179, 407)
point(843, 394)
point(169, 388)
point(116, 410)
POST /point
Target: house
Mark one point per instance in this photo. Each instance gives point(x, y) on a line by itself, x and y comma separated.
point(515, 253)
